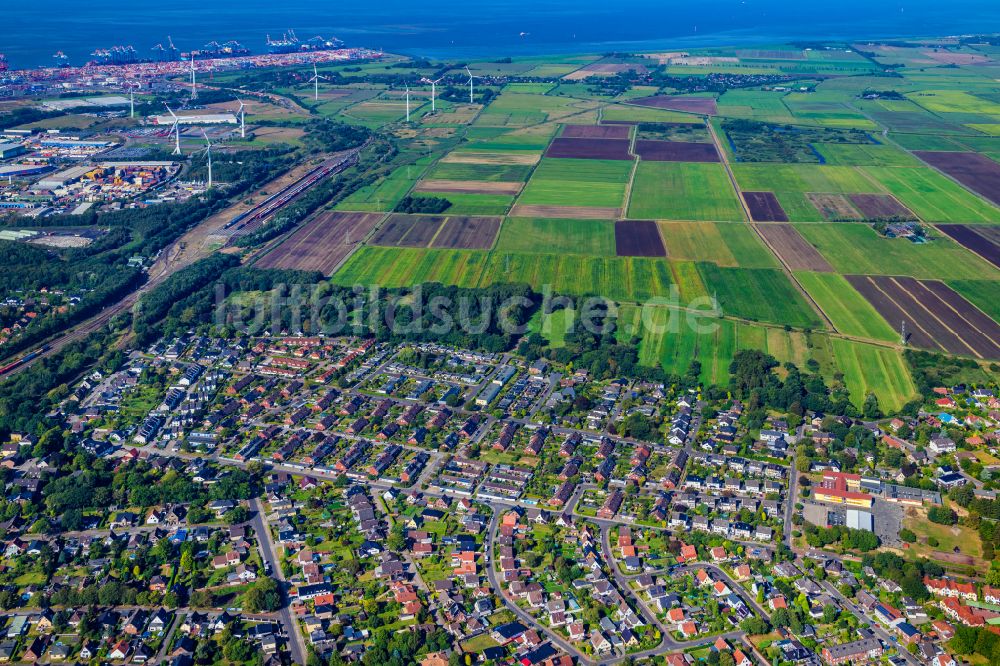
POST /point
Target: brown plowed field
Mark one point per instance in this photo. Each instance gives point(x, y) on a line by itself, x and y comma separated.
point(764, 207)
point(589, 149)
point(977, 241)
point(467, 233)
point(469, 186)
point(834, 207)
point(793, 249)
point(676, 151)
point(977, 172)
point(403, 230)
point(880, 207)
point(703, 105)
point(322, 243)
point(566, 212)
point(891, 311)
point(936, 317)
point(596, 132)
point(638, 238)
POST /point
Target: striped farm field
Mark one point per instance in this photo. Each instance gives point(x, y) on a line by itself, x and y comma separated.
point(485, 172)
point(877, 370)
point(624, 279)
point(984, 294)
point(673, 338)
point(683, 191)
point(850, 313)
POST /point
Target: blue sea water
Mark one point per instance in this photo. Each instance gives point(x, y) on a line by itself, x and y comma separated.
point(32, 32)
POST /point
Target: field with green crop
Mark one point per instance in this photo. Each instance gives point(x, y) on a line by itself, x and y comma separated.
point(683, 191)
point(869, 369)
point(934, 197)
point(850, 313)
point(547, 236)
point(857, 249)
point(572, 182)
point(758, 294)
point(984, 294)
point(730, 244)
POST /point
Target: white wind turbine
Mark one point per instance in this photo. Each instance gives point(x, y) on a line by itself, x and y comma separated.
point(433, 91)
point(315, 81)
point(241, 112)
point(177, 131)
point(208, 154)
point(194, 89)
point(471, 78)
point(407, 103)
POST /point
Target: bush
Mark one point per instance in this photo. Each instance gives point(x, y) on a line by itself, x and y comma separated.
point(907, 535)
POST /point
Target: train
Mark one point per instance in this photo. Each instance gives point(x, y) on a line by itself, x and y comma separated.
point(27, 358)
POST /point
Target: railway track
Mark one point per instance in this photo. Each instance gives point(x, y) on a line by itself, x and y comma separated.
point(252, 220)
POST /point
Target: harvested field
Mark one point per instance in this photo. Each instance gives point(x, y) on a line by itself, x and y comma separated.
point(676, 151)
point(793, 249)
point(881, 207)
point(469, 187)
point(322, 243)
point(638, 238)
point(467, 233)
point(936, 316)
point(702, 105)
point(507, 158)
point(402, 230)
point(596, 132)
point(764, 207)
point(977, 172)
point(980, 243)
point(589, 149)
point(566, 212)
point(834, 207)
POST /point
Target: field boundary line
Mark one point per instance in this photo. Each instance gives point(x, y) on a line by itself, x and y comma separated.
point(763, 239)
point(923, 307)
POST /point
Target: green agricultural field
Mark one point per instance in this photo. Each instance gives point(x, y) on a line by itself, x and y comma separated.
point(850, 313)
point(758, 294)
point(383, 195)
point(571, 182)
point(683, 191)
point(853, 154)
point(730, 244)
point(645, 114)
point(857, 249)
point(984, 294)
point(954, 101)
point(934, 197)
point(403, 267)
point(547, 236)
point(869, 369)
point(553, 326)
point(624, 279)
point(486, 172)
point(475, 204)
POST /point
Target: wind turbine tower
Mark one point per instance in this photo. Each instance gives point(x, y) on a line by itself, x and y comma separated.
point(177, 132)
point(194, 89)
point(433, 92)
point(407, 103)
point(471, 92)
point(243, 118)
point(208, 154)
point(315, 81)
